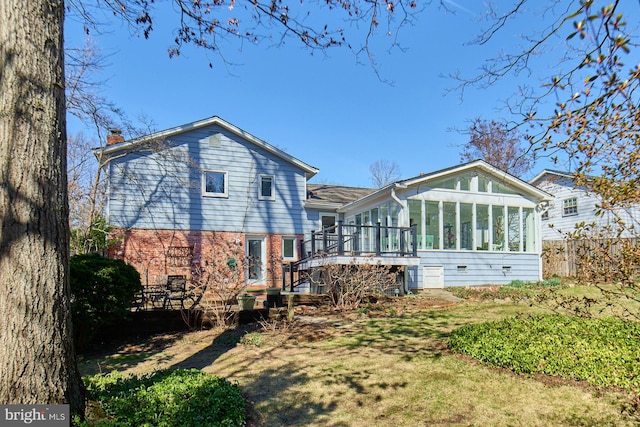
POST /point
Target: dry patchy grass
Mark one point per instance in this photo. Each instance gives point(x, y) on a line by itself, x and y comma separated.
point(385, 364)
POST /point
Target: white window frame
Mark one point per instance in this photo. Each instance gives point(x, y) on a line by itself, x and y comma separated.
point(295, 248)
point(327, 214)
point(206, 193)
point(263, 260)
point(273, 187)
point(570, 204)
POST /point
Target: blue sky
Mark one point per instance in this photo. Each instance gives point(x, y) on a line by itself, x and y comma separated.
point(327, 110)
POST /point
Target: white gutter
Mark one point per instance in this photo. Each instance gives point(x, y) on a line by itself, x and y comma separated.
point(395, 197)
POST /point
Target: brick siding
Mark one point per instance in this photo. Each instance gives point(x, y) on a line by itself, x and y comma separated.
point(158, 253)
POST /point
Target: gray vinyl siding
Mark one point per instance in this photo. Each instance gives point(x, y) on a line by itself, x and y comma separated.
point(558, 224)
point(162, 189)
point(481, 268)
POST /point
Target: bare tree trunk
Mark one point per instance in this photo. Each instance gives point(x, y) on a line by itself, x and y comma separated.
point(37, 359)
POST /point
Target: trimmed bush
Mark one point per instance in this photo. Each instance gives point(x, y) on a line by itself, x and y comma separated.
point(165, 398)
point(102, 291)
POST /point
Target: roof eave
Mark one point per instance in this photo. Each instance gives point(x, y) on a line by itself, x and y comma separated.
point(369, 197)
point(309, 170)
point(321, 205)
point(538, 177)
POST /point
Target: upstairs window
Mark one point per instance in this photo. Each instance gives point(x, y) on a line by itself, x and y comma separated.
point(215, 184)
point(570, 207)
point(266, 190)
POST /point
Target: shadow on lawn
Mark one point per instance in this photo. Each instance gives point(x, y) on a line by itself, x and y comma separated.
point(222, 343)
point(278, 395)
point(410, 335)
point(127, 355)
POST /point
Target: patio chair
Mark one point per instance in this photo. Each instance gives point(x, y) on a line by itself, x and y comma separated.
point(176, 291)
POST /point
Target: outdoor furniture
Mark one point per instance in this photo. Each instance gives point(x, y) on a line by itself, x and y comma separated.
point(176, 291)
point(154, 296)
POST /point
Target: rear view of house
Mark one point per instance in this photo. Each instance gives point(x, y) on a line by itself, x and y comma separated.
point(176, 197)
point(181, 197)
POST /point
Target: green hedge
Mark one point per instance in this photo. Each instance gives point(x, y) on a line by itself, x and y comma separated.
point(603, 352)
point(102, 292)
point(186, 398)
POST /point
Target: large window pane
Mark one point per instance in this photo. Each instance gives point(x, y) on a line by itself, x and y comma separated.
point(483, 184)
point(482, 227)
point(465, 182)
point(466, 227)
point(384, 213)
point(498, 228)
point(514, 229)
point(449, 226)
point(528, 230)
point(432, 225)
point(415, 218)
point(446, 183)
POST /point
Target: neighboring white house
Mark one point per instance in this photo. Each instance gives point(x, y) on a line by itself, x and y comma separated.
point(573, 205)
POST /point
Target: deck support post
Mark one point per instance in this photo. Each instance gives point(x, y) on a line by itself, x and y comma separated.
point(290, 307)
point(324, 240)
point(340, 241)
point(414, 239)
point(291, 277)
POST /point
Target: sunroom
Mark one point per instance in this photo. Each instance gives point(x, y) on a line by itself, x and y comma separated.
point(474, 225)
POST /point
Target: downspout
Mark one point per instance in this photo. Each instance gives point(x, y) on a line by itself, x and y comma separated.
point(396, 199)
point(540, 207)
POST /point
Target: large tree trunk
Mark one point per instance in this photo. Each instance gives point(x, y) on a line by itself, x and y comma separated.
point(37, 359)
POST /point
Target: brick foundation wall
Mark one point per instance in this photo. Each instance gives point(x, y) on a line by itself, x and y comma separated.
point(158, 253)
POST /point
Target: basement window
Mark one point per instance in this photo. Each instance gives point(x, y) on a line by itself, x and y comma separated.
point(462, 269)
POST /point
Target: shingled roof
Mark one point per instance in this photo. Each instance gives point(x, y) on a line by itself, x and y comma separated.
point(324, 193)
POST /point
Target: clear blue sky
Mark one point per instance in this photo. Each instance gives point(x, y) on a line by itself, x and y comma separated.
point(327, 110)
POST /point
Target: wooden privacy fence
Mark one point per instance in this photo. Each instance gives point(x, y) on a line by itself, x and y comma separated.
point(564, 257)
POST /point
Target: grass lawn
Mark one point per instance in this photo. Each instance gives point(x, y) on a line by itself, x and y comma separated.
point(381, 365)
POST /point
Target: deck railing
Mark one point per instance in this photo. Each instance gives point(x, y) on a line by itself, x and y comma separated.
point(358, 240)
point(352, 240)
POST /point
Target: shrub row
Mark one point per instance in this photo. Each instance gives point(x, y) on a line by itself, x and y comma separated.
point(603, 352)
point(164, 398)
point(102, 291)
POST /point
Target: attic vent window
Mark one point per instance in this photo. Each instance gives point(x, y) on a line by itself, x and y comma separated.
point(213, 141)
